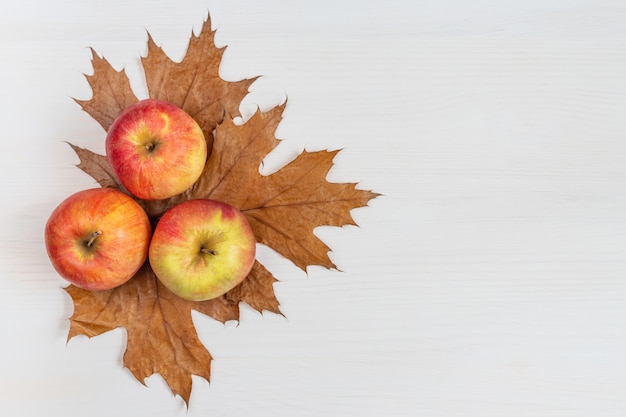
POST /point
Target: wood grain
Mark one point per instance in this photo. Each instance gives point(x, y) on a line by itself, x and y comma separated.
point(490, 278)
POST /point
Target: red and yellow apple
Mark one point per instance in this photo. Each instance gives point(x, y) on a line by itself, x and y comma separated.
point(97, 239)
point(156, 149)
point(202, 248)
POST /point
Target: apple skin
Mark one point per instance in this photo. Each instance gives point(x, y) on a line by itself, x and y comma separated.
point(114, 256)
point(202, 248)
point(156, 149)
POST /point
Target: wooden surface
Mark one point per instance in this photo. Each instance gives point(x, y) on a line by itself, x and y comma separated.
point(490, 280)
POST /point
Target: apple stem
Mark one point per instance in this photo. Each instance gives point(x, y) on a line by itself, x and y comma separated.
point(93, 237)
point(210, 251)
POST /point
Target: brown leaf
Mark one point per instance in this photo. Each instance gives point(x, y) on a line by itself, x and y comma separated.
point(97, 166)
point(161, 336)
point(111, 92)
point(285, 207)
point(194, 84)
point(257, 290)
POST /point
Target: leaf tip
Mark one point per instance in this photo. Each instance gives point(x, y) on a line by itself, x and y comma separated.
point(94, 54)
point(374, 195)
point(70, 336)
point(78, 101)
point(151, 42)
point(207, 25)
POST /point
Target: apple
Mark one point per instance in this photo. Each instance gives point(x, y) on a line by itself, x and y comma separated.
point(156, 149)
point(201, 249)
point(97, 239)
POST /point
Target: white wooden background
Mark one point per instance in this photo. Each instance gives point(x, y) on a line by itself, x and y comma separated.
point(490, 280)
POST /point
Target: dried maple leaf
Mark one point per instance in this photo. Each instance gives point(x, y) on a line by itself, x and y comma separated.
point(283, 209)
point(97, 166)
point(194, 84)
point(111, 92)
point(161, 335)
